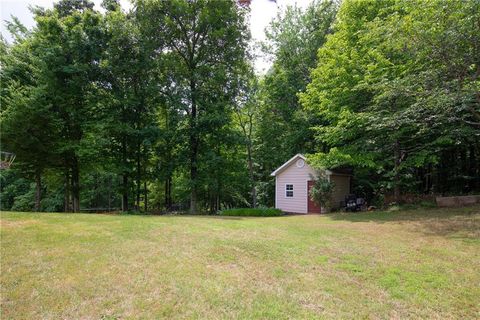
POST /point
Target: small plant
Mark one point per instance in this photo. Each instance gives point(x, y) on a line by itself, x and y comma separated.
point(322, 191)
point(252, 212)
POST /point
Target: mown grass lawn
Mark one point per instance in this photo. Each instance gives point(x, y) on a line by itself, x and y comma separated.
point(407, 264)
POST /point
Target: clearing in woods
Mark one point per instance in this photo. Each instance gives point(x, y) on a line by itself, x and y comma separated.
point(406, 264)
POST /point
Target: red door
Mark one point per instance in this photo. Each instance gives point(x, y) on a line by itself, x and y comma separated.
point(312, 207)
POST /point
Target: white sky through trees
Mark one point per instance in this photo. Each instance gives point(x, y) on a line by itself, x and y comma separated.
point(262, 12)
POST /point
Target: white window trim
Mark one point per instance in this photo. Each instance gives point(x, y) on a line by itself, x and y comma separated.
point(286, 194)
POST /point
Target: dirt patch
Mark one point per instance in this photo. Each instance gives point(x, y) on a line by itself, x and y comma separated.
point(464, 226)
point(16, 224)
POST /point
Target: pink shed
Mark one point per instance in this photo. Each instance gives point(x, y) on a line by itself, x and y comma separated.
point(292, 186)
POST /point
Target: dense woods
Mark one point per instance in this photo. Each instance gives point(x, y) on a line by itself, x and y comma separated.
point(159, 108)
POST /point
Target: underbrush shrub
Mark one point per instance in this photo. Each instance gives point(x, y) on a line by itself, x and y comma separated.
point(252, 212)
point(410, 198)
point(322, 192)
point(420, 205)
point(378, 201)
point(407, 201)
point(135, 213)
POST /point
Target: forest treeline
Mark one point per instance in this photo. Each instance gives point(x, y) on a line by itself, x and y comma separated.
point(159, 107)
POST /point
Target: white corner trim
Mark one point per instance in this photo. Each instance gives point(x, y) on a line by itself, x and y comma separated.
point(276, 194)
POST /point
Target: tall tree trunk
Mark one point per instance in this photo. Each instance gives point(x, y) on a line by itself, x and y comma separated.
point(429, 188)
point(125, 192)
point(251, 174)
point(476, 166)
point(75, 184)
point(471, 166)
point(477, 169)
point(442, 172)
point(96, 198)
point(396, 177)
point(168, 192)
point(145, 194)
point(66, 199)
point(170, 201)
point(124, 175)
point(109, 192)
point(165, 195)
point(139, 177)
point(38, 190)
point(193, 179)
point(465, 187)
point(168, 155)
point(193, 149)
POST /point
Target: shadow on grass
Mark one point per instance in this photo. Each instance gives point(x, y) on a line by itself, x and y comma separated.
point(215, 217)
point(218, 217)
point(405, 215)
point(462, 223)
point(181, 215)
point(171, 215)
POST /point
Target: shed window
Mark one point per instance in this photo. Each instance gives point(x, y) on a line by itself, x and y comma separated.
point(289, 190)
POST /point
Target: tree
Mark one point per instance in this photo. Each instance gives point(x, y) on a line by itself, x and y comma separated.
point(370, 88)
point(28, 126)
point(204, 40)
point(67, 43)
point(246, 111)
point(293, 39)
point(128, 109)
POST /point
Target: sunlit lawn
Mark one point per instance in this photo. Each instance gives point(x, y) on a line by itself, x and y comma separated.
point(410, 264)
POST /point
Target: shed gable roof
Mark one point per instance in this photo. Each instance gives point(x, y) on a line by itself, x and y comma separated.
point(288, 163)
point(338, 171)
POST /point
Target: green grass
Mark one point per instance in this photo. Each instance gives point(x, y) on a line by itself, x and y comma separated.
point(403, 264)
point(252, 212)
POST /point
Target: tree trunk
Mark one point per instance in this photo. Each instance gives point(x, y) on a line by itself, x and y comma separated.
point(193, 150)
point(75, 184)
point(252, 177)
point(139, 177)
point(109, 193)
point(125, 192)
point(165, 195)
point(193, 193)
point(429, 179)
point(66, 201)
point(476, 166)
point(96, 193)
point(396, 177)
point(124, 175)
point(168, 193)
point(38, 190)
point(145, 200)
point(471, 167)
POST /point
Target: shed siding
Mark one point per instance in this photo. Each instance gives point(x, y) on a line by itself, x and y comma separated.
point(341, 188)
point(298, 177)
